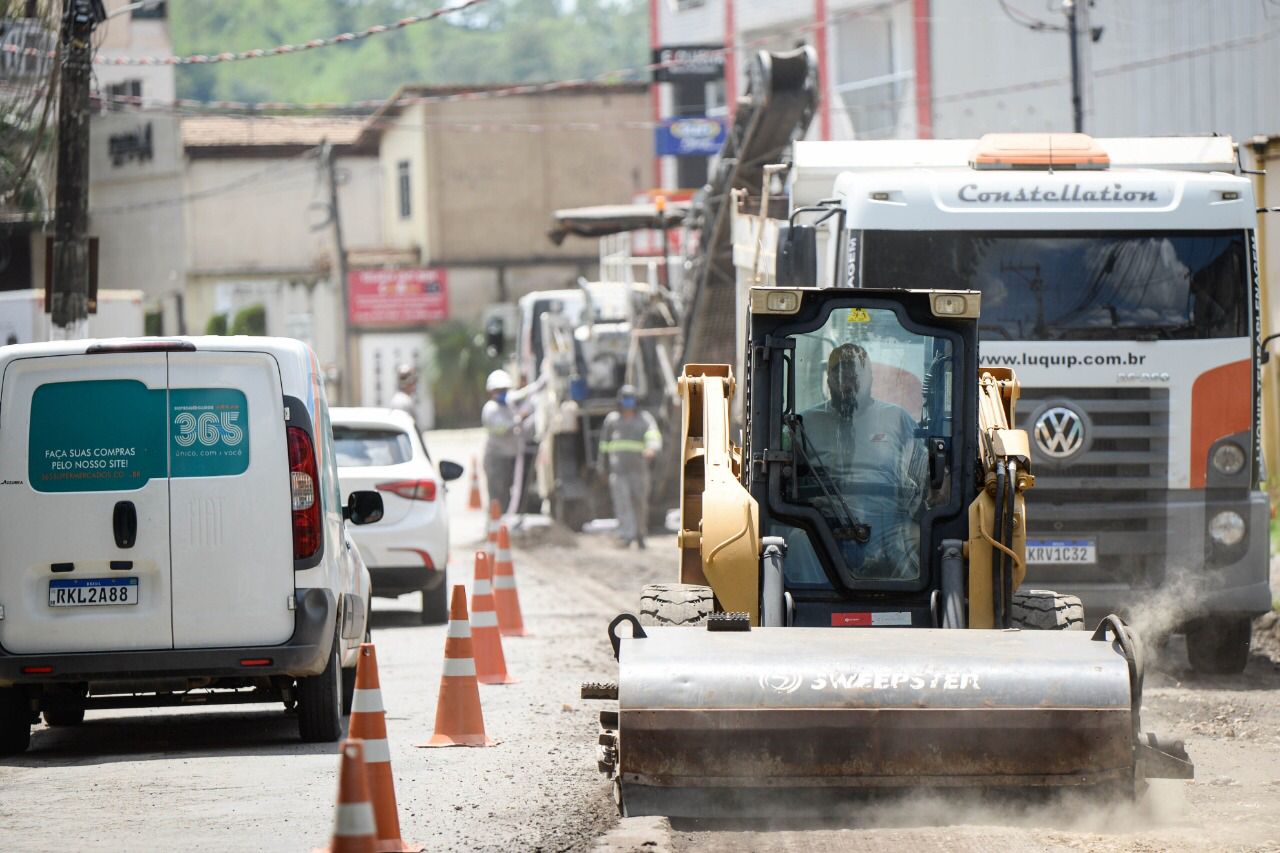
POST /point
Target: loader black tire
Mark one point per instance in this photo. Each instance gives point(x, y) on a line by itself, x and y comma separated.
point(669, 604)
point(1046, 610)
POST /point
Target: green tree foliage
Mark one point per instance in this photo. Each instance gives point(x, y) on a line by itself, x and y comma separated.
point(217, 325)
point(497, 42)
point(458, 391)
point(250, 320)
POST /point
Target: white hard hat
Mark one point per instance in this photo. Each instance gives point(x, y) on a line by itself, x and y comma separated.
point(497, 380)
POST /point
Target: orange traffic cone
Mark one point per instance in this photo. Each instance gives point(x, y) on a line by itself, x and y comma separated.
point(369, 723)
point(474, 502)
point(459, 721)
point(353, 826)
point(491, 664)
point(491, 532)
point(506, 596)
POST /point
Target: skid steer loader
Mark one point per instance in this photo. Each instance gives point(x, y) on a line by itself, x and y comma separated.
point(879, 486)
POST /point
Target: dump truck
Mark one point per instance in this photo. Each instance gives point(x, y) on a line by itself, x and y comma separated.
point(1120, 280)
point(850, 611)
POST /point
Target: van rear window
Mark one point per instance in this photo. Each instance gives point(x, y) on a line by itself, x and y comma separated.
point(366, 447)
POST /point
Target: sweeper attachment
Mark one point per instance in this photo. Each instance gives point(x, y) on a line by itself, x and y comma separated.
point(879, 487)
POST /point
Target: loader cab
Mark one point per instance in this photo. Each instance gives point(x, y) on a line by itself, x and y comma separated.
point(861, 427)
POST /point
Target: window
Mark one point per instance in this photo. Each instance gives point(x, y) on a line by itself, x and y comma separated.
point(403, 191)
point(872, 396)
point(1077, 286)
point(119, 94)
point(873, 75)
point(364, 447)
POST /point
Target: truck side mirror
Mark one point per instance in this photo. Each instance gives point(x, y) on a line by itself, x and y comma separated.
point(495, 336)
point(797, 257)
point(363, 508)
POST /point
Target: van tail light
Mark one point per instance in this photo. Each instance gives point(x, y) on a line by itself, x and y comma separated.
point(411, 490)
point(303, 483)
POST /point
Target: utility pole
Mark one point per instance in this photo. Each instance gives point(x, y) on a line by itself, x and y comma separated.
point(1081, 35)
point(343, 348)
point(70, 274)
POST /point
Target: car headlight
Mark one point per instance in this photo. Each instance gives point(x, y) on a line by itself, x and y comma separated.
point(1228, 459)
point(1227, 528)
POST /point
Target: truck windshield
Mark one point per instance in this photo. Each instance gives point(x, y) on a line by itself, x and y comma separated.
point(1077, 286)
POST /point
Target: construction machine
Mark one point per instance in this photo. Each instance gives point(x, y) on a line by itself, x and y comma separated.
point(878, 485)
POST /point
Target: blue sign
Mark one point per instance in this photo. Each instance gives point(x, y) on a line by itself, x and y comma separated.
point(689, 136)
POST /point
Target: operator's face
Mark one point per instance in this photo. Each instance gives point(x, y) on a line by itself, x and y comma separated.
point(848, 379)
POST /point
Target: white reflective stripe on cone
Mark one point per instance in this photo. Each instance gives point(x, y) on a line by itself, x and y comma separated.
point(353, 819)
point(459, 666)
point(504, 582)
point(504, 555)
point(366, 700)
point(480, 588)
point(458, 629)
point(484, 619)
point(376, 751)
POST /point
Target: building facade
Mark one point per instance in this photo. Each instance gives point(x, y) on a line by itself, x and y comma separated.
point(959, 68)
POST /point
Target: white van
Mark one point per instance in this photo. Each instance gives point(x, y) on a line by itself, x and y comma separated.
point(172, 532)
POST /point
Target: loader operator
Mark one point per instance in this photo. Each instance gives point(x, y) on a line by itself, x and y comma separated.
point(879, 466)
point(502, 439)
point(629, 438)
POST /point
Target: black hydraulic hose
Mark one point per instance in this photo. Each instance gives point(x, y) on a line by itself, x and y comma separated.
point(998, 604)
point(1011, 496)
point(1131, 650)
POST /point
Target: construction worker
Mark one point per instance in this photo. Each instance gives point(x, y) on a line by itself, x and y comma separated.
point(502, 440)
point(628, 440)
point(406, 390)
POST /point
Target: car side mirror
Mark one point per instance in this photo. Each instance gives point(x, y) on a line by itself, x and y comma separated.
point(796, 264)
point(495, 336)
point(363, 508)
point(450, 471)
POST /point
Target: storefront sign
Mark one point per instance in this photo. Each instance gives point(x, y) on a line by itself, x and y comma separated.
point(397, 297)
point(689, 136)
point(688, 62)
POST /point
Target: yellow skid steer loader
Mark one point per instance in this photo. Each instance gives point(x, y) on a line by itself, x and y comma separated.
point(813, 647)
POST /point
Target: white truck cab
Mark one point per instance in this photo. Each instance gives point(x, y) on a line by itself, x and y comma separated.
point(172, 532)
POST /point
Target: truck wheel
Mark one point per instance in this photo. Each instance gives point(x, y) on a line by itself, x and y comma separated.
point(15, 721)
point(666, 604)
point(320, 702)
point(435, 603)
point(1045, 610)
point(1219, 645)
point(64, 717)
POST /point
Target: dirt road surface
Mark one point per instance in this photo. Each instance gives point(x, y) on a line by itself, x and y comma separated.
point(237, 779)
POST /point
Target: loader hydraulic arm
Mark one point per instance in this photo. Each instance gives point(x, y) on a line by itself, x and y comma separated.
point(719, 535)
point(997, 543)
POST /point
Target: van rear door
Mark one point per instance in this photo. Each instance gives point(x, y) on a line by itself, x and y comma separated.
point(84, 504)
point(230, 497)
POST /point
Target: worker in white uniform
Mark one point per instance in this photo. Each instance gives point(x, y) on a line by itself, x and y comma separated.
point(502, 439)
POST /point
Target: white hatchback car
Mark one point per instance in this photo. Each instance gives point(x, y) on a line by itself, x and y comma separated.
point(408, 551)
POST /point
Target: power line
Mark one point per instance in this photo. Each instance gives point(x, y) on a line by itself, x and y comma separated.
point(260, 53)
point(1022, 19)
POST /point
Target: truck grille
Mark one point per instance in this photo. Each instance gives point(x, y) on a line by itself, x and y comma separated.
point(1114, 491)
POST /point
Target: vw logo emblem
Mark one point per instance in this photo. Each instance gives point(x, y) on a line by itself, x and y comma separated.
point(1059, 432)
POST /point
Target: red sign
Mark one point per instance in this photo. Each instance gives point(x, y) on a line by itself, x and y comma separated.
point(401, 297)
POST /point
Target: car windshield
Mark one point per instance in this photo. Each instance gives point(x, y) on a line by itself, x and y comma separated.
point(1085, 286)
point(366, 447)
point(870, 395)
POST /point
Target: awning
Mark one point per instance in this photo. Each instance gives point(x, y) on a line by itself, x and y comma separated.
point(603, 220)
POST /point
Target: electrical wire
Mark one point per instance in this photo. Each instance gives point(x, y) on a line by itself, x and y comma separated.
point(260, 53)
point(1022, 19)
